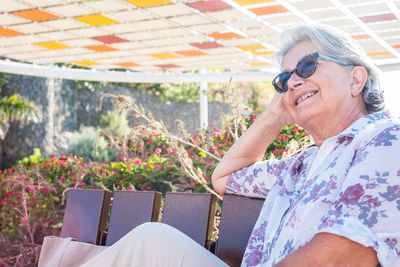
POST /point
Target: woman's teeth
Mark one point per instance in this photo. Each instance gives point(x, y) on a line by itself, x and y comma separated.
point(304, 97)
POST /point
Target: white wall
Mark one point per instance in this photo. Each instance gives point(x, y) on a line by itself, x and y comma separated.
point(390, 81)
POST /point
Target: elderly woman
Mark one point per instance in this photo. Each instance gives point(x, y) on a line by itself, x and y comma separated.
point(334, 204)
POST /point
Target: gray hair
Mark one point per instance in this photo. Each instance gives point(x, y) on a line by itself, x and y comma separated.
point(338, 45)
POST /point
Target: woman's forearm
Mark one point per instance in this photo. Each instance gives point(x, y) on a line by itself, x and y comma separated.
point(249, 148)
point(326, 249)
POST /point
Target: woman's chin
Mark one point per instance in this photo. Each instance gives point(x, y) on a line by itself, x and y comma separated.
point(305, 117)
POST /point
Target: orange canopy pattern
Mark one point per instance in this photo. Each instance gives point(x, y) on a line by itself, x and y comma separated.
point(182, 35)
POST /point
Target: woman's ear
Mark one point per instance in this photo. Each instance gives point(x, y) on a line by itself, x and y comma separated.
point(358, 77)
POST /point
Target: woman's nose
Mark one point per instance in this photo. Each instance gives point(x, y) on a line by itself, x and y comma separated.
point(294, 82)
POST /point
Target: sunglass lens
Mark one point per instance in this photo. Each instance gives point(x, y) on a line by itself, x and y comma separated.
point(306, 67)
point(280, 82)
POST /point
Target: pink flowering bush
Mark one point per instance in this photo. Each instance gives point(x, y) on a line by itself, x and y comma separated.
point(152, 162)
point(31, 205)
point(280, 145)
point(156, 173)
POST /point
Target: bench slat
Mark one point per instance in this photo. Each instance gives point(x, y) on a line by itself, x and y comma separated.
point(191, 213)
point(239, 214)
point(85, 215)
point(131, 209)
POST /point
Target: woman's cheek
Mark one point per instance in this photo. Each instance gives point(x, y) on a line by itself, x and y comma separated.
point(286, 99)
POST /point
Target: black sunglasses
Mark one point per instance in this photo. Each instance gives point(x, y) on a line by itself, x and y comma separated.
point(304, 69)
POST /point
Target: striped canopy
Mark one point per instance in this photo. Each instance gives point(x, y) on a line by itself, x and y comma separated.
point(183, 35)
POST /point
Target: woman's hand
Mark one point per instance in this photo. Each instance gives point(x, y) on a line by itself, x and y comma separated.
point(276, 111)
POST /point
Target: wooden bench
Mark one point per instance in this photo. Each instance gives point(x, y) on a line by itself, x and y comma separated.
point(87, 212)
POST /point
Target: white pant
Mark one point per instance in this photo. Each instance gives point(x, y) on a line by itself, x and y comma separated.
point(155, 244)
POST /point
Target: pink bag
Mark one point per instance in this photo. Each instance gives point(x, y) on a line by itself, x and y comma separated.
point(66, 252)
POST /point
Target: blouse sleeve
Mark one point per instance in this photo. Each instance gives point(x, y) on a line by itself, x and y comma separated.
point(257, 179)
point(367, 209)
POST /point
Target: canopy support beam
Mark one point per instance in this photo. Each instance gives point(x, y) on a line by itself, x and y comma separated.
point(12, 67)
point(203, 102)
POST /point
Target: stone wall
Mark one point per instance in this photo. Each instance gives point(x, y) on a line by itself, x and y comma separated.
point(62, 110)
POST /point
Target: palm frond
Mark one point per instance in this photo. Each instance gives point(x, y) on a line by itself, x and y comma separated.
point(3, 79)
point(15, 107)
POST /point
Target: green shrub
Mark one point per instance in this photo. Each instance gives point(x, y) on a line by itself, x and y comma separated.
point(89, 145)
point(187, 93)
point(114, 123)
point(35, 158)
point(157, 173)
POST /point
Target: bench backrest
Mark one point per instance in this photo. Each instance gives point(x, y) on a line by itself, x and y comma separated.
point(131, 209)
point(191, 213)
point(238, 216)
point(86, 215)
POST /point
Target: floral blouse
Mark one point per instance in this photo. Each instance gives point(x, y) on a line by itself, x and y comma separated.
point(350, 186)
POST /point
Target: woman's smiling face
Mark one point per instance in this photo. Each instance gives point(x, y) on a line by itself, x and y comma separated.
point(319, 97)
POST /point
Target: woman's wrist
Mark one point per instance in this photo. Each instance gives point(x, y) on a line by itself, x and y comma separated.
point(271, 121)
